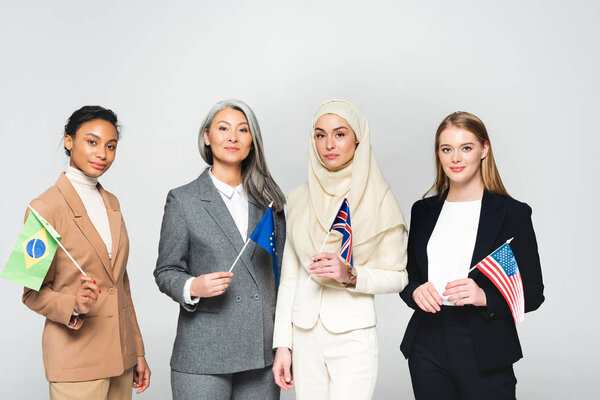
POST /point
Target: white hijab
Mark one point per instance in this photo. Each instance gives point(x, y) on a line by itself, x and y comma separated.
point(373, 208)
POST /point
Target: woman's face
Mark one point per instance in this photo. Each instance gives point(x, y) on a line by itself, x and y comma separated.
point(93, 148)
point(335, 141)
point(460, 154)
point(229, 137)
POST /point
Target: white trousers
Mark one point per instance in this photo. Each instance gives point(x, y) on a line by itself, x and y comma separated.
point(332, 366)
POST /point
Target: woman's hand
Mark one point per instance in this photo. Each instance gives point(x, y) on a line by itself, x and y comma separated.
point(329, 265)
point(210, 285)
point(466, 291)
point(141, 375)
point(282, 368)
point(86, 295)
point(427, 298)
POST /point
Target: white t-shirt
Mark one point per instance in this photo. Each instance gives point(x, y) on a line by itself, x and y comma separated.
point(450, 247)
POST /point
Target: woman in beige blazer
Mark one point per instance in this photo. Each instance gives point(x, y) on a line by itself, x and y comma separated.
point(92, 346)
point(325, 324)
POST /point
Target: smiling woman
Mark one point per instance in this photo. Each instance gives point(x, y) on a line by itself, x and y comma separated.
point(461, 319)
point(88, 353)
point(205, 225)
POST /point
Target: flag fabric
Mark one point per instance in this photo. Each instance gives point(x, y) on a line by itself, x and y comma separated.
point(341, 223)
point(30, 260)
point(264, 236)
point(502, 269)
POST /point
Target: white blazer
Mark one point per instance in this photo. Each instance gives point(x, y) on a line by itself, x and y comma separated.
point(302, 302)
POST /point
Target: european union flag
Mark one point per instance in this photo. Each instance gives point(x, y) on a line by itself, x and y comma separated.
point(264, 236)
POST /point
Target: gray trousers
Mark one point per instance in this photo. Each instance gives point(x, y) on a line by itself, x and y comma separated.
point(257, 384)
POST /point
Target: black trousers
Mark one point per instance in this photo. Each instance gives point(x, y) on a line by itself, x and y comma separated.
point(442, 362)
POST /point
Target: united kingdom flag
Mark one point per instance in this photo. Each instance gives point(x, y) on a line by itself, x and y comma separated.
point(341, 223)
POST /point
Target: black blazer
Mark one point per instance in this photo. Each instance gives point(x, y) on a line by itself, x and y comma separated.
point(493, 330)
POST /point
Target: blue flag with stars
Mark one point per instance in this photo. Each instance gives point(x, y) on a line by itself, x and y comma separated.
point(264, 236)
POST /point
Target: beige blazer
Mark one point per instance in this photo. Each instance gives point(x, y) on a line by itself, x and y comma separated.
point(107, 341)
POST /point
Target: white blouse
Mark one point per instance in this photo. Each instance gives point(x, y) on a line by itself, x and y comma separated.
point(450, 247)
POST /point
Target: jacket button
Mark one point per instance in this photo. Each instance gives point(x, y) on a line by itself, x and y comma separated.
point(238, 298)
point(256, 296)
point(492, 316)
point(112, 290)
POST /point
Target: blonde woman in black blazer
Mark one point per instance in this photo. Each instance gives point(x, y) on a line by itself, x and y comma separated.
point(461, 341)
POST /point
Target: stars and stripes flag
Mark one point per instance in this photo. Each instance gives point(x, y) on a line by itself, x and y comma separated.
point(502, 269)
point(341, 223)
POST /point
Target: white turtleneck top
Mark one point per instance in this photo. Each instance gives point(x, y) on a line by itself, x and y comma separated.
point(91, 198)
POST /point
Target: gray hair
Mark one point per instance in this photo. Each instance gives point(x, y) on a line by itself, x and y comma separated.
point(256, 178)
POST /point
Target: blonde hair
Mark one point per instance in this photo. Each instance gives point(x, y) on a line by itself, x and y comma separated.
point(489, 172)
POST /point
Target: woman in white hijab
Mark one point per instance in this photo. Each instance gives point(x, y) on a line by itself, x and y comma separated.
point(325, 324)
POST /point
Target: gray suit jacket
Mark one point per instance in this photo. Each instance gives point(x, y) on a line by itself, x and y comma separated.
point(234, 331)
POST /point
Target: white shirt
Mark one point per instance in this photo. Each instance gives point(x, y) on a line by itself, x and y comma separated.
point(237, 204)
point(91, 198)
point(450, 247)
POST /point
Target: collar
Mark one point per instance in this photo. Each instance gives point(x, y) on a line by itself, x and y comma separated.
point(79, 179)
point(225, 189)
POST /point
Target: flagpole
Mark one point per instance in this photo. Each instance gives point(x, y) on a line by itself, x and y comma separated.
point(240, 254)
point(63, 248)
point(320, 250)
point(507, 242)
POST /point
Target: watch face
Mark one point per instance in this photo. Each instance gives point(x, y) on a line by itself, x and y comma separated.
point(353, 271)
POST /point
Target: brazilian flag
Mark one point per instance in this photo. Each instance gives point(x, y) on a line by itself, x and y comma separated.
point(30, 260)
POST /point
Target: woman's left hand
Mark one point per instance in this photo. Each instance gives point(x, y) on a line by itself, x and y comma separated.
point(466, 291)
point(329, 265)
point(141, 375)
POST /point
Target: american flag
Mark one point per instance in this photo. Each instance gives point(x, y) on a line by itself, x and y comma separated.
point(502, 269)
point(341, 223)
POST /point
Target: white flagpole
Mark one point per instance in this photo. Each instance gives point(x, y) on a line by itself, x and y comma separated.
point(243, 248)
point(63, 248)
point(507, 242)
point(320, 250)
point(240, 254)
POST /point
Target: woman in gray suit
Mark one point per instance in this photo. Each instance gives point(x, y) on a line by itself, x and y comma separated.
point(223, 348)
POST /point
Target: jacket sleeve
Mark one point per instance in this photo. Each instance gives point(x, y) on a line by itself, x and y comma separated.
point(414, 275)
point(389, 274)
point(54, 305)
point(525, 249)
point(172, 270)
point(282, 332)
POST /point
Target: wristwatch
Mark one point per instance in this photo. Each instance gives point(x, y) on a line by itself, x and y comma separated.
point(352, 275)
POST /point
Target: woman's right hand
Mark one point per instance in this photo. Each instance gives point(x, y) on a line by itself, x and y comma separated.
point(86, 295)
point(282, 368)
point(210, 285)
point(427, 298)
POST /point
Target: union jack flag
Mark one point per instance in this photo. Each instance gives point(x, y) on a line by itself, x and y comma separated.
point(502, 269)
point(341, 223)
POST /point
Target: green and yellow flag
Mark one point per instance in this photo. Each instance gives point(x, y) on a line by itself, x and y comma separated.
point(30, 260)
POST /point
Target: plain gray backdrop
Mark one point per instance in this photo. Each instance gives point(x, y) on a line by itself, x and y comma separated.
point(528, 69)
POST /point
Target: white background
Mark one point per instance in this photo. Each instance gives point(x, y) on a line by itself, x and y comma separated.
point(527, 69)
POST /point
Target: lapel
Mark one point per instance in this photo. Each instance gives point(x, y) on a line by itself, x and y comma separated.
point(84, 223)
point(114, 221)
point(216, 208)
point(425, 229)
point(490, 222)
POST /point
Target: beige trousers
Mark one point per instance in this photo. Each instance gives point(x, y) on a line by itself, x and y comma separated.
point(332, 366)
point(114, 388)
